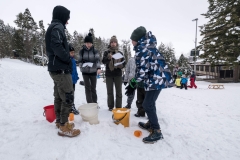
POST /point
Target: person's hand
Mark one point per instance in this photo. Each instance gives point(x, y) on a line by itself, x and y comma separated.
point(99, 71)
point(125, 83)
point(133, 83)
point(109, 56)
point(129, 90)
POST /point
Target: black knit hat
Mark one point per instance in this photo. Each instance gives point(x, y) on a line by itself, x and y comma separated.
point(88, 38)
point(138, 33)
point(71, 48)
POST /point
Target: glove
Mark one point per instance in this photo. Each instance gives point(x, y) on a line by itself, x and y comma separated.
point(129, 90)
point(125, 83)
point(133, 83)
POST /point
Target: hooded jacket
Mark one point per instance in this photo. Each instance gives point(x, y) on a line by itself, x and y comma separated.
point(151, 67)
point(56, 43)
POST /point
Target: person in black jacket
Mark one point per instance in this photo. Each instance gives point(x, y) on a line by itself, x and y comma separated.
point(113, 73)
point(60, 68)
point(89, 63)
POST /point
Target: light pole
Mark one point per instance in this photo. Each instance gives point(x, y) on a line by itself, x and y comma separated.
point(195, 46)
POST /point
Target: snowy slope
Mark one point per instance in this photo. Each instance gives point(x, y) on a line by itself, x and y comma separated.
point(197, 124)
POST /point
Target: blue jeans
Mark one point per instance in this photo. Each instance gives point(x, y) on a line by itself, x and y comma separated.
point(149, 106)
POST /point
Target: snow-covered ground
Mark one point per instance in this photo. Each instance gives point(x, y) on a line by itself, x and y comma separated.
point(197, 124)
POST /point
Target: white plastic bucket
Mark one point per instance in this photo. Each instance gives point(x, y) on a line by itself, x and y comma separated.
point(89, 113)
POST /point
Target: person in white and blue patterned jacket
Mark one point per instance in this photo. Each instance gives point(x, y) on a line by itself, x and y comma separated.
point(152, 70)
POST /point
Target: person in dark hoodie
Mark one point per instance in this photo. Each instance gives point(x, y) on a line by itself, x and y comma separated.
point(60, 68)
point(113, 73)
point(89, 63)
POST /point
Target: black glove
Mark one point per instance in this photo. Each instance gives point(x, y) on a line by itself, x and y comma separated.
point(129, 90)
point(125, 83)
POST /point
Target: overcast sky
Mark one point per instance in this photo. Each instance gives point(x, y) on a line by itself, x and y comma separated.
point(169, 20)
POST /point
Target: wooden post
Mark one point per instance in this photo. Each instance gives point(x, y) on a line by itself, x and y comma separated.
point(235, 73)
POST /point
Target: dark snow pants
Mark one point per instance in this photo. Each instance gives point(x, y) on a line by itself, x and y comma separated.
point(63, 96)
point(110, 82)
point(149, 104)
point(90, 83)
point(140, 98)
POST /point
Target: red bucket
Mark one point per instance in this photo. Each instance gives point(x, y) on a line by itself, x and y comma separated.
point(49, 113)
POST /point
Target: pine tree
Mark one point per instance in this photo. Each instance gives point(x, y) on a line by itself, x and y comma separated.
point(184, 66)
point(221, 34)
point(42, 36)
point(18, 44)
point(169, 55)
point(126, 50)
point(28, 29)
point(69, 36)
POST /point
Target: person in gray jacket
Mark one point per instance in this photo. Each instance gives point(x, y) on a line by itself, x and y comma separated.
point(89, 63)
point(129, 75)
point(130, 70)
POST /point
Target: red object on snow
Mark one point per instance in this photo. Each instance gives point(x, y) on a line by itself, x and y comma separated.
point(192, 83)
point(49, 113)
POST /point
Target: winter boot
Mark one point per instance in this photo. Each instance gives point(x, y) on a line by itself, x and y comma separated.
point(145, 126)
point(67, 130)
point(128, 106)
point(81, 83)
point(154, 136)
point(57, 122)
point(74, 110)
point(140, 113)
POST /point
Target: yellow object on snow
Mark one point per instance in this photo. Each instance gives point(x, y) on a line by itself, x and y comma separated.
point(177, 82)
point(121, 115)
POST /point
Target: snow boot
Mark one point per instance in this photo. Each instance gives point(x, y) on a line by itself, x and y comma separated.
point(57, 123)
point(81, 83)
point(154, 136)
point(67, 130)
point(128, 106)
point(74, 110)
point(145, 126)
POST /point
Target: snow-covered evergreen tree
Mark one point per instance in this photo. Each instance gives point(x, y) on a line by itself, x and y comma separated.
point(169, 55)
point(221, 34)
point(184, 66)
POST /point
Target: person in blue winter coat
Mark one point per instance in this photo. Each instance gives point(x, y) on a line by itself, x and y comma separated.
point(153, 71)
point(74, 76)
point(184, 82)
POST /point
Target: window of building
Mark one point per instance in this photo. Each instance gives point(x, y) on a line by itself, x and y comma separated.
point(212, 69)
point(197, 68)
point(207, 68)
point(201, 68)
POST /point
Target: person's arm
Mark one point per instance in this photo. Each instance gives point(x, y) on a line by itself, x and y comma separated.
point(98, 65)
point(123, 64)
point(98, 60)
point(132, 69)
point(106, 58)
point(80, 60)
point(57, 46)
point(126, 79)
